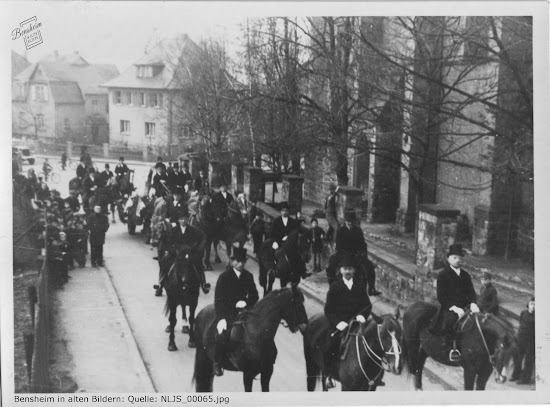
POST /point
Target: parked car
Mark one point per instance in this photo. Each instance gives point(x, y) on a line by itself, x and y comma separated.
point(25, 153)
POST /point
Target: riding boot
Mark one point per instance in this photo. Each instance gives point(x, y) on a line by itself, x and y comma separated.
point(219, 351)
point(333, 353)
point(204, 285)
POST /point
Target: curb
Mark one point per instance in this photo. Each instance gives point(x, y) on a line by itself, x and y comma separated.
point(311, 294)
point(139, 368)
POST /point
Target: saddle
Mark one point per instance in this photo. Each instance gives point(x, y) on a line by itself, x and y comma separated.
point(451, 335)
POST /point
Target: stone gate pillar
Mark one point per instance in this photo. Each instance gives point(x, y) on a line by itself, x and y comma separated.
point(436, 232)
point(237, 177)
point(253, 185)
point(292, 192)
point(213, 170)
point(349, 200)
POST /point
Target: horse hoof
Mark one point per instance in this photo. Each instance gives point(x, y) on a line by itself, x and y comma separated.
point(172, 347)
point(167, 330)
point(192, 343)
point(217, 260)
point(185, 329)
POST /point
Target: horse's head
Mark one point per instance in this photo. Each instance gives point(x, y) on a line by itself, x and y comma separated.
point(182, 269)
point(390, 336)
point(304, 245)
point(294, 311)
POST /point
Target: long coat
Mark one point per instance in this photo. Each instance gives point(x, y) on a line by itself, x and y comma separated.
point(231, 289)
point(174, 209)
point(487, 300)
point(350, 240)
point(279, 230)
point(526, 330)
point(121, 169)
point(343, 304)
point(97, 224)
point(221, 204)
point(455, 290)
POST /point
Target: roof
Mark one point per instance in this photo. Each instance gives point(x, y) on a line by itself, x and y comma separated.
point(66, 92)
point(88, 77)
point(171, 53)
point(18, 63)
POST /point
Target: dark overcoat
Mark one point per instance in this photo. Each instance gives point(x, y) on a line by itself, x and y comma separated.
point(343, 304)
point(487, 300)
point(97, 224)
point(221, 204)
point(279, 230)
point(350, 240)
point(453, 289)
point(526, 331)
point(231, 289)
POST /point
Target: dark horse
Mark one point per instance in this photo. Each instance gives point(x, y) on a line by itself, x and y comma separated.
point(121, 190)
point(181, 282)
point(279, 264)
point(231, 230)
point(368, 350)
point(486, 343)
point(255, 352)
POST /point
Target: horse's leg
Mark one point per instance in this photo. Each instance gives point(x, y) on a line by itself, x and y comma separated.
point(185, 322)
point(483, 375)
point(270, 281)
point(267, 372)
point(204, 373)
point(207, 249)
point(192, 309)
point(312, 369)
point(420, 360)
point(469, 377)
point(248, 378)
point(171, 343)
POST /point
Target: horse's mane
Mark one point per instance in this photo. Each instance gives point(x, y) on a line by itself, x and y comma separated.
point(275, 295)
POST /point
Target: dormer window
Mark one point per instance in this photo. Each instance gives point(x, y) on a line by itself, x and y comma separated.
point(145, 71)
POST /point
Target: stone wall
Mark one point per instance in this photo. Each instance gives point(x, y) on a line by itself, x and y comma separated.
point(318, 175)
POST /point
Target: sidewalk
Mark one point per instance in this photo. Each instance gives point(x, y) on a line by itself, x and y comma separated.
point(55, 158)
point(88, 307)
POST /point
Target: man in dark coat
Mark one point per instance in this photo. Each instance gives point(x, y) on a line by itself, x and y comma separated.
point(235, 291)
point(175, 205)
point(81, 170)
point(524, 360)
point(201, 183)
point(159, 180)
point(121, 168)
point(350, 240)
point(160, 164)
point(171, 179)
point(455, 292)
point(89, 186)
point(105, 177)
point(487, 300)
point(347, 298)
point(221, 201)
point(97, 224)
point(184, 177)
point(282, 227)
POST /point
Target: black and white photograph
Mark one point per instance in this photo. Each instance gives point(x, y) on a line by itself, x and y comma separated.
point(315, 200)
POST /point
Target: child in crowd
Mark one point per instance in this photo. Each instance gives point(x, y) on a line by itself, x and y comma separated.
point(257, 230)
point(524, 361)
point(317, 236)
point(487, 300)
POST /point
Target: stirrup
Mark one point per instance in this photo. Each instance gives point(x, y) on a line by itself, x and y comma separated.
point(454, 355)
point(329, 383)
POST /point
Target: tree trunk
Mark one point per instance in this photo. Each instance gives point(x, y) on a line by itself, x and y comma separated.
point(342, 169)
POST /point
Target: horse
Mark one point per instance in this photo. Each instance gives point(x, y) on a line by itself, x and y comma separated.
point(231, 230)
point(138, 211)
point(369, 350)
point(255, 352)
point(277, 265)
point(75, 185)
point(486, 342)
point(121, 187)
point(181, 282)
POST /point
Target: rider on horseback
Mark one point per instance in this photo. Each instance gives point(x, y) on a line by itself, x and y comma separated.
point(121, 169)
point(350, 240)
point(347, 298)
point(455, 292)
point(235, 291)
point(282, 226)
point(181, 237)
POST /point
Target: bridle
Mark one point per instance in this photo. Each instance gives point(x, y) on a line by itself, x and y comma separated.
point(489, 355)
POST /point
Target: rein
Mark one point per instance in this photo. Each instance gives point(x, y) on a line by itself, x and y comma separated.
point(491, 357)
point(370, 354)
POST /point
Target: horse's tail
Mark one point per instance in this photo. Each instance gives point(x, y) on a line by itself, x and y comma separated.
point(405, 355)
point(167, 306)
point(312, 369)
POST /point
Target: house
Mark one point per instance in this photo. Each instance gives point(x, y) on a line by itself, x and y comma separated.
point(144, 101)
point(59, 99)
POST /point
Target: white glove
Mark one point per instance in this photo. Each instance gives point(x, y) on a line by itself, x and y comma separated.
point(241, 304)
point(275, 245)
point(222, 326)
point(360, 318)
point(284, 238)
point(173, 224)
point(474, 307)
point(458, 311)
point(341, 325)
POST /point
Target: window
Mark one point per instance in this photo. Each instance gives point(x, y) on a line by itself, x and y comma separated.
point(149, 129)
point(185, 131)
point(117, 97)
point(141, 98)
point(95, 106)
point(40, 92)
point(40, 121)
point(125, 127)
point(144, 71)
point(153, 100)
point(21, 90)
point(67, 124)
point(127, 98)
point(159, 100)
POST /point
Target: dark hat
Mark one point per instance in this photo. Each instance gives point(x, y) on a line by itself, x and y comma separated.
point(239, 254)
point(284, 205)
point(314, 220)
point(107, 165)
point(349, 217)
point(159, 158)
point(455, 249)
point(332, 187)
point(176, 165)
point(179, 190)
point(121, 158)
point(347, 261)
point(486, 275)
point(183, 212)
point(532, 299)
point(91, 171)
